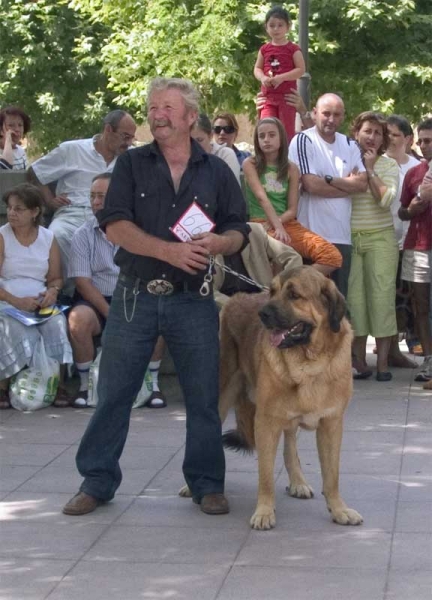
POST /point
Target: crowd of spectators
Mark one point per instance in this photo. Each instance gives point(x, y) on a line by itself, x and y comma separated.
point(357, 207)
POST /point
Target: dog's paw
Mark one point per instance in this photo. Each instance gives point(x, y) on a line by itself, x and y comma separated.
point(263, 519)
point(347, 516)
point(185, 492)
point(303, 491)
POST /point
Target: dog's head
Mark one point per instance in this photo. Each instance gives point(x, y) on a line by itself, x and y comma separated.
point(302, 302)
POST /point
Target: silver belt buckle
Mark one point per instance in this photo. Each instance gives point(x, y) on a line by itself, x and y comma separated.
point(160, 287)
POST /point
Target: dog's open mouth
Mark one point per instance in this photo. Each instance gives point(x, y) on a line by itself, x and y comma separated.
point(297, 334)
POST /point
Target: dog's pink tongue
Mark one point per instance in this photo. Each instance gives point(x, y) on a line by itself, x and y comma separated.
point(276, 337)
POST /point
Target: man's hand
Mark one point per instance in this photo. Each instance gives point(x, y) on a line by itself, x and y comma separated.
point(214, 244)
point(417, 206)
point(58, 202)
point(188, 256)
point(425, 191)
point(294, 99)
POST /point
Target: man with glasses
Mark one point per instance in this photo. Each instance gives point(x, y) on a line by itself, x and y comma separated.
point(73, 165)
point(416, 202)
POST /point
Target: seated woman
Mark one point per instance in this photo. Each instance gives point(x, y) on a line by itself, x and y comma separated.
point(272, 190)
point(30, 278)
point(225, 131)
point(202, 133)
point(375, 255)
point(14, 125)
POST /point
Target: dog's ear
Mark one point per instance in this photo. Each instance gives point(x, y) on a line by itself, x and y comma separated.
point(335, 303)
point(276, 285)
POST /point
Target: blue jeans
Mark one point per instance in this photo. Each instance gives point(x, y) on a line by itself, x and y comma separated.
point(189, 324)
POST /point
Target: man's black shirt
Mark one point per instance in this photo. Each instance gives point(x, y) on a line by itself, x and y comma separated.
point(142, 191)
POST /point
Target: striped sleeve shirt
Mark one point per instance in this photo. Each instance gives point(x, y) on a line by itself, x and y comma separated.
point(19, 163)
point(367, 213)
point(92, 256)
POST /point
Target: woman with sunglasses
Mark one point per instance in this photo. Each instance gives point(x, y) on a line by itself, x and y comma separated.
point(30, 279)
point(202, 133)
point(225, 130)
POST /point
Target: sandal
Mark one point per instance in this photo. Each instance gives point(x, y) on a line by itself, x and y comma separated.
point(156, 400)
point(4, 400)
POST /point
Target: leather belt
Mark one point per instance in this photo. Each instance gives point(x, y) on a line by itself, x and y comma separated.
point(160, 287)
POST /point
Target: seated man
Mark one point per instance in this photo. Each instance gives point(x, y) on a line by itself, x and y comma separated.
point(262, 259)
point(95, 274)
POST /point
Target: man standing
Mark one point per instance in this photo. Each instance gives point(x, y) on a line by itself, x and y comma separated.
point(95, 274)
point(331, 171)
point(73, 165)
point(160, 292)
point(416, 202)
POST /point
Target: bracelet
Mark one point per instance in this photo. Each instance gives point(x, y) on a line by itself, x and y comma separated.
point(306, 115)
point(55, 287)
point(371, 175)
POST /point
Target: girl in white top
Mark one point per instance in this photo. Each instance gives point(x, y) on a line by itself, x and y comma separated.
point(29, 279)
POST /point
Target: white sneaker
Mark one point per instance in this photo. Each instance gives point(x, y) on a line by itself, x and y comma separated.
point(425, 371)
point(81, 399)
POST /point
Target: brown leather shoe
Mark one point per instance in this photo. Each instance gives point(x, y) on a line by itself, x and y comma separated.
point(214, 504)
point(81, 504)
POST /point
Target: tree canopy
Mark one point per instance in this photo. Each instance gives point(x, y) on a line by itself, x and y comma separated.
point(67, 62)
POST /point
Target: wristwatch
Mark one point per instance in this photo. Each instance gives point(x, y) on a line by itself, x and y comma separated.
point(56, 287)
point(306, 115)
point(371, 174)
point(328, 179)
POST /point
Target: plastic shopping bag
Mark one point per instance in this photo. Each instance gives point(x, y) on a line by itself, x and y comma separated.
point(36, 386)
point(145, 391)
point(141, 399)
point(92, 398)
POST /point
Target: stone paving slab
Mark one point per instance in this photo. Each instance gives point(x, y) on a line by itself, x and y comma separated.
point(151, 544)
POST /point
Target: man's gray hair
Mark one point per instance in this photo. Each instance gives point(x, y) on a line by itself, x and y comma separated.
point(114, 117)
point(187, 89)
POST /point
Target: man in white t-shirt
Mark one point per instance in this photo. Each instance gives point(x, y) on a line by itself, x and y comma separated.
point(331, 171)
point(73, 165)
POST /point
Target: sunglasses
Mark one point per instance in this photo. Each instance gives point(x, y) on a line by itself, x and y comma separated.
point(227, 128)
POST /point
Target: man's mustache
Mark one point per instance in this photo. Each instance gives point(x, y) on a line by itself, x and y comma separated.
point(161, 123)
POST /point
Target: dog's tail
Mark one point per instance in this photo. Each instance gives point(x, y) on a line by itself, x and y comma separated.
point(242, 439)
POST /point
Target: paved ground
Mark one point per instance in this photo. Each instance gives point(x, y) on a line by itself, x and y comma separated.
point(150, 544)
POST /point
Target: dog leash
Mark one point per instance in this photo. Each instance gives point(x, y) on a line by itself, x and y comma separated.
point(248, 280)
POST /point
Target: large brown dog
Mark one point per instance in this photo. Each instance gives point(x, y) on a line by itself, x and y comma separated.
point(286, 363)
